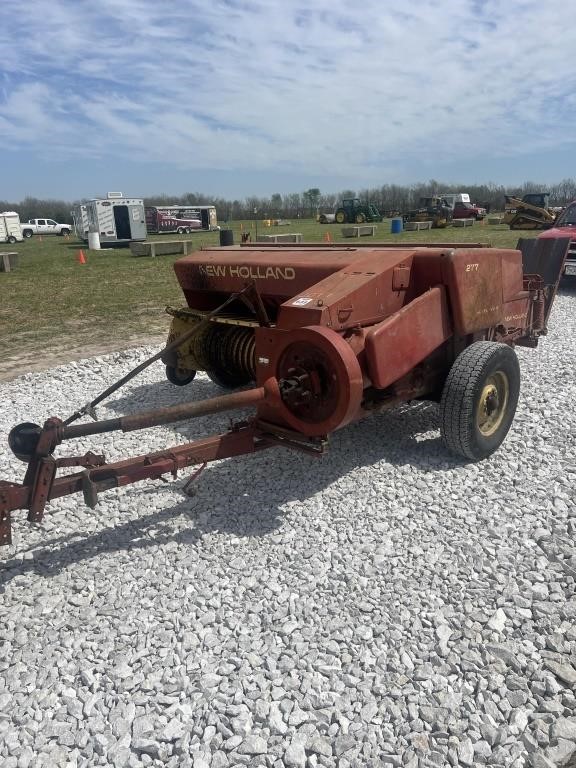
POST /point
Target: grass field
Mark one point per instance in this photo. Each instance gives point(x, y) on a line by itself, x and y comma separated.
point(52, 309)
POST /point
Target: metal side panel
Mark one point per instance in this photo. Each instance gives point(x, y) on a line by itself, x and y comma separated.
point(399, 343)
point(544, 257)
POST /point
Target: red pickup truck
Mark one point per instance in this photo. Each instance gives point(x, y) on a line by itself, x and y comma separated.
point(468, 211)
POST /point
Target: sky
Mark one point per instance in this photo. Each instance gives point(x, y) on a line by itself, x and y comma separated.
point(235, 98)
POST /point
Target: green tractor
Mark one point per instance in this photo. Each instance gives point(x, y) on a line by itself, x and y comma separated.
point(354, 211)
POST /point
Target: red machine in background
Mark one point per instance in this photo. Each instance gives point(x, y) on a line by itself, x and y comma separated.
point(328, 336)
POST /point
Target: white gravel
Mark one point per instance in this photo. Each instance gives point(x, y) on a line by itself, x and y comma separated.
point(383, 605)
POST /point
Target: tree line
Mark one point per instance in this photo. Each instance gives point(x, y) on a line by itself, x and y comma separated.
point(388, 198)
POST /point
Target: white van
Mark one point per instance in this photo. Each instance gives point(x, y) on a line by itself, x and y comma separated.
point(10, 231)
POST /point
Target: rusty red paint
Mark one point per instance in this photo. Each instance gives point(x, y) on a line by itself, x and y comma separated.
point(359, 294)
point(170, 415)
point(473, 280)
point(246, 439)
point(342, 331)
point(332, 380)
point(398, 344)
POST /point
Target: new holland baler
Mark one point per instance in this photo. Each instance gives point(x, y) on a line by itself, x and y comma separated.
point(326, 336)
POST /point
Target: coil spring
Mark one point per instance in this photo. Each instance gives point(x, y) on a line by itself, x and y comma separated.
point(227, 348)
point(539, 311)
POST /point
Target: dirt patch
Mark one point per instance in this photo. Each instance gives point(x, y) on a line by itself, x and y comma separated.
point(29, 360)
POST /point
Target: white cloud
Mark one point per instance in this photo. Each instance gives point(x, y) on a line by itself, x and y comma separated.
point(249, 84)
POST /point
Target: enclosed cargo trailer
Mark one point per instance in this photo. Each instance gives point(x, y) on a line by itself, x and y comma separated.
point(181, 219)
point(10, 229)
point(117, 220)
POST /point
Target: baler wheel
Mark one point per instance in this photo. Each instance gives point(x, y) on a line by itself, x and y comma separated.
point(179, 376)
point(228, 380)
point(479, 399)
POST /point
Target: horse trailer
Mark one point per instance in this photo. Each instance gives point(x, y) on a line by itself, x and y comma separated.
point(181, 219)
point(118, 220)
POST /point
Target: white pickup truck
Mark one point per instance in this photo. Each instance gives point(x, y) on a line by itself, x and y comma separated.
point(44, 227)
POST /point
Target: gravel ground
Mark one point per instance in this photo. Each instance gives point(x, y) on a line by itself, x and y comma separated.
point(383, 605)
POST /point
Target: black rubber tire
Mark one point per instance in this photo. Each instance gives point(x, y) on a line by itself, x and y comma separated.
point(340, 217)
point(228, 380)
point(64, 232)
point(179, 376)
point(360, 218)
point(461, 397)
point(27, 233)
point(12, 239)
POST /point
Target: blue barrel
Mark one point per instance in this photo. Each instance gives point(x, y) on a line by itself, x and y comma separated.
point(396, 226)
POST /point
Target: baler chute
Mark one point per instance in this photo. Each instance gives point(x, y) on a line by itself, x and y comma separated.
point(327, 336)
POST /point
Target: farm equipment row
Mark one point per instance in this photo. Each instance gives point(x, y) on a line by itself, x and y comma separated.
point(532, 211)
point(327, 336)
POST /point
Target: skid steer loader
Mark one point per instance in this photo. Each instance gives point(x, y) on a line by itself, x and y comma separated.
point(530, 212)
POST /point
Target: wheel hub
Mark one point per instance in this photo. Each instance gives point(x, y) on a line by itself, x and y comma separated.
point(492, 403)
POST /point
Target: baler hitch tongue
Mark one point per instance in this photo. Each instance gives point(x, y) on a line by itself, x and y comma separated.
point(34, 445)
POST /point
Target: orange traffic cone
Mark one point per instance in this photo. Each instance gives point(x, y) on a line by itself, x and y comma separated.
point(81, 259)
point(327, 237)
